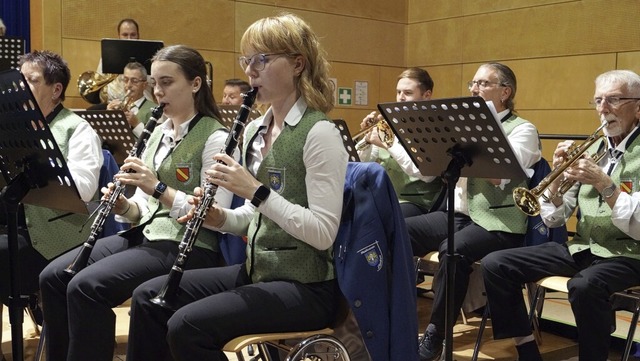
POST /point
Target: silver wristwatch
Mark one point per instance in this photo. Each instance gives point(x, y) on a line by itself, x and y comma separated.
point(608, 191)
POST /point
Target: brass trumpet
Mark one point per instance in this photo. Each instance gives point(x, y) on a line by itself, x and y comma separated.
point(384, 132)
point(527, 200)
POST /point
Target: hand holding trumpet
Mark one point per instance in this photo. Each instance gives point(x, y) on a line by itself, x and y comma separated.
point(374, 130)
point(584, 170)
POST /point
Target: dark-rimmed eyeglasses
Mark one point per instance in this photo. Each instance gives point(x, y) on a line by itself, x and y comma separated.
point(482, 84)
point(612, 101)
point(134, 81)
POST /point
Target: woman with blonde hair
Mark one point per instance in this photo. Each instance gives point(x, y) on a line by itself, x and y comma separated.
point(293, 180)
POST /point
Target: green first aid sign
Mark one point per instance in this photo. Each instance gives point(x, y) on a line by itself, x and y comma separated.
point(344, 96)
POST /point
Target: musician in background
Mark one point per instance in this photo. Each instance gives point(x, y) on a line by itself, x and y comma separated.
point(3, 28)
point(127, 29)
point(486, 218)
point(417, 193)
point(40, 239)
point(136, 107)
point(288, 282)
point(233, 88)
point(78, 311)
point(604, 255)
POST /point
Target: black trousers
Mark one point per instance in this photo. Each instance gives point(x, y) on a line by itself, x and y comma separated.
point(593, 280)
point(30, 264)
point(219, 304)
point(471, 242)
point(80, 323)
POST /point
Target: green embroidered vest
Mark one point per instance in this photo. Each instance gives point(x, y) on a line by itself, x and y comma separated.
point(144, 112)
point(50, 235)
point(273, 254)
point(179, 170)
point(486, 201)
point(409, 189)
point(594, 229)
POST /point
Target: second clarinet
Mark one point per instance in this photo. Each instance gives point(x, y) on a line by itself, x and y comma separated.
point(170, 288)
point(82, 259)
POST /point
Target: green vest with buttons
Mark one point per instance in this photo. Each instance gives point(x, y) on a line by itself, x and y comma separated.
point(179, 170)
point(594, 229)
point(408, 188)
point(272, 253)
point(144, 112)
point(486, 201)
point(50, 235)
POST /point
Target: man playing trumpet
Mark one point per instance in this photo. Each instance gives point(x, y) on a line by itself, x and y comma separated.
point(136, 107)
point(604, 255)
point(415, 191)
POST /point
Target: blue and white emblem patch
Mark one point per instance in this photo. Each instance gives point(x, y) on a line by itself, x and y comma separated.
point(373, 254)
point(276, 179)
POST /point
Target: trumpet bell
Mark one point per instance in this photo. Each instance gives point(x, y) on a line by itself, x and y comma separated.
point(526, 201)
point(90, 85)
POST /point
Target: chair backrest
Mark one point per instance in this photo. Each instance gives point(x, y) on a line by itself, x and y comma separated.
point(232, 247)
point(108, 170)
point(374, 264)
point(537, 231)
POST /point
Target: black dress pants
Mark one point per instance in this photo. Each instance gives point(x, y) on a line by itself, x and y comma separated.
point(593, 281)
point(80, 322)
point(219, 304)
point(471, 243)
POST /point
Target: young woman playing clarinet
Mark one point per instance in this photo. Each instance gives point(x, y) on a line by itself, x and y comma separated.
point(293, 180)
point(80, 322)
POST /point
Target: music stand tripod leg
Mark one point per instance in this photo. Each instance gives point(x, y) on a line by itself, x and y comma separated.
point(11, 196)
point(450, 177)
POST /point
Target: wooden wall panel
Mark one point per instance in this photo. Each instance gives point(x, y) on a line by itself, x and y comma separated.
point(561, 29)
point(422, 10)
point(630, 61)
point(202, 24)
point(552, 45)
point(389, 11)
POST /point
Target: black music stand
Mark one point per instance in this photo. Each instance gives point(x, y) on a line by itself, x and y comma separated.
point(113, 129)
point(349, 145)
point(229, 112)
point(117, 53)
point(11, 48)
point(35, 172)
point(468, 132)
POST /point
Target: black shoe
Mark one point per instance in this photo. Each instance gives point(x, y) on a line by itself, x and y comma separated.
point(529, 352)
point(36, 311)
point(430, 347)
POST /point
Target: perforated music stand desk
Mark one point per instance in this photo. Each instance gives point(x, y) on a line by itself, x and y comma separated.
point(113, 129)
point(229, 113)
point(11, 48)
point(349, 145)
point(452, 138)
point(34, 172)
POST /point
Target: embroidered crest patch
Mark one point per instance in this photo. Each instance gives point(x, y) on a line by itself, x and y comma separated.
point(183, 173)
point(626, 185)
point(373, 254)
point(276, 179)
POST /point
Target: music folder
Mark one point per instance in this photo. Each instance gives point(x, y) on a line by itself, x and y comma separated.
point(117, 53)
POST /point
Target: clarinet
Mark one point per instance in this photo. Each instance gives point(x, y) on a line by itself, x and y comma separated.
point(170, 287)
point(107, 205)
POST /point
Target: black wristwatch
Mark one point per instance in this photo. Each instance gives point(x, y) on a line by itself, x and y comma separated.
point(261, 194)
point(159, 190)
